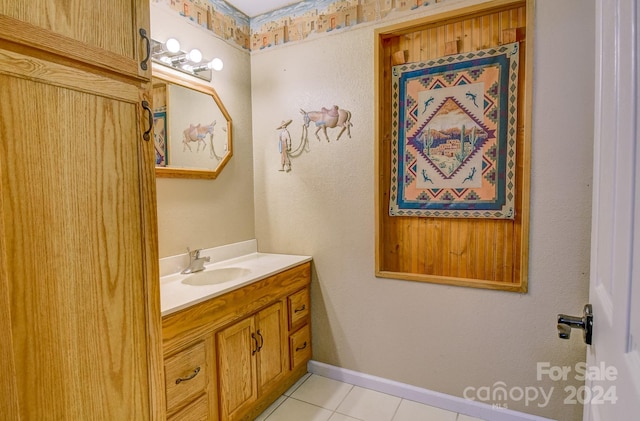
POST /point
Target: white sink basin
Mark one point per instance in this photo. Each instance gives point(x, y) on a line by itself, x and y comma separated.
point(229, 272)
point(216, 276)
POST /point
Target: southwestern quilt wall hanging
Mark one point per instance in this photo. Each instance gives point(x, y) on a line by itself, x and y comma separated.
point(454, 135)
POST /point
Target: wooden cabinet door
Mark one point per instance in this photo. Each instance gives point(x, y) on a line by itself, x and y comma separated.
point(272, 358)
point(78, 254)
point(101, 33)
point(237, 346)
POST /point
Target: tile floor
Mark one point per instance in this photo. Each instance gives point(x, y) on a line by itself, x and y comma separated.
point(317, 398)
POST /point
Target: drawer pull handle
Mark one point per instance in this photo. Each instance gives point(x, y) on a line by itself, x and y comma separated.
point(146, 136)
point(143, 63)
point(257, 348)
point(189, 377)
point(261, 340)
point(300, 348)
point(303, 308)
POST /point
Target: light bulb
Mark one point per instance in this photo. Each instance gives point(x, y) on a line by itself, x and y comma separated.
point(195, 56)
point(172, 45)
point(216, 64)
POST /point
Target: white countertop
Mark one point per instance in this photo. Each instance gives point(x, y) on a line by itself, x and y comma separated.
point(176, 295)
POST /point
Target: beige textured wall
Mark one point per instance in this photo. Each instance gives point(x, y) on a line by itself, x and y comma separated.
point(438, 337)
point(208, 213)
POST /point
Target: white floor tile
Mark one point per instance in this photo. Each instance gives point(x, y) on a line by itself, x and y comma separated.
point(340, 417)
point(369, 405)
point(322, 391)
point(412, 411)
point(271, 408)
point(297, 384)
point(294, 410)
point(462, 417)
point(315, 398)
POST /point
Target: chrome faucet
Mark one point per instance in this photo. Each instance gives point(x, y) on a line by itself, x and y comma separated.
point(196, 263)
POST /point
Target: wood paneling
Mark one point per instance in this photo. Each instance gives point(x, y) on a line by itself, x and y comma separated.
point(470, 252)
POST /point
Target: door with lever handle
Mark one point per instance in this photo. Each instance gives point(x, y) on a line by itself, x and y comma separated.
point(566, 323)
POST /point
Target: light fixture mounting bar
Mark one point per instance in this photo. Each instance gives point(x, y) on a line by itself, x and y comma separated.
point(179, 61)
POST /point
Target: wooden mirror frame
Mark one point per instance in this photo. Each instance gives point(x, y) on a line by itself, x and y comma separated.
point(158, 72)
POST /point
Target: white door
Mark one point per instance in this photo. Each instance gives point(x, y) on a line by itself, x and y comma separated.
point(612, 389)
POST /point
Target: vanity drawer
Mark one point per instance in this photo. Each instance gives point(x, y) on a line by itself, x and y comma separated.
point(196, 411)
point(185, 375)
point(298, 304)
point(300, 347)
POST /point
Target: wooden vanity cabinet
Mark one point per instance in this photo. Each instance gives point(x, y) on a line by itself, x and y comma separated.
point(252, 359)
point(271, 330)
point(299, 328)
point(79, 291)
point(247, 335)
point(238, 384)
point(187, 381)
point(198, 410)
point(186, 375)
point(298, 308)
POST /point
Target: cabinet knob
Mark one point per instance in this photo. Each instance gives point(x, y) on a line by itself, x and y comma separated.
point(300, 348)
point(303, 308)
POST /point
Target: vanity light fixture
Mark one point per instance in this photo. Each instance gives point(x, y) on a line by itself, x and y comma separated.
point(215, 64)
point(170, 54)
point(172, 45)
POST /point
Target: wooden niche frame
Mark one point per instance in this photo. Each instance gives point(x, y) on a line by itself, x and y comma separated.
point(478, 253)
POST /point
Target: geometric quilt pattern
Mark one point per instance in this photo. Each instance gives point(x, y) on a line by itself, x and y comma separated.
point(454, 135)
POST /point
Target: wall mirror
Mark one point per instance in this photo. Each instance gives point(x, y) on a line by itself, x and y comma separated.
point(192, 128)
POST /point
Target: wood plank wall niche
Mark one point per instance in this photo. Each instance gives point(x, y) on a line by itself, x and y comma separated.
point(480, 253)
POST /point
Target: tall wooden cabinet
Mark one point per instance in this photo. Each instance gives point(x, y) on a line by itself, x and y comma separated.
point(79, 291)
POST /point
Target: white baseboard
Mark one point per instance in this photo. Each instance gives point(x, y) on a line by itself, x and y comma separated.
point(425, 396)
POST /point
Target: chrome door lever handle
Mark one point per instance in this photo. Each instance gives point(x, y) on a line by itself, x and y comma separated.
point(566, 323)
